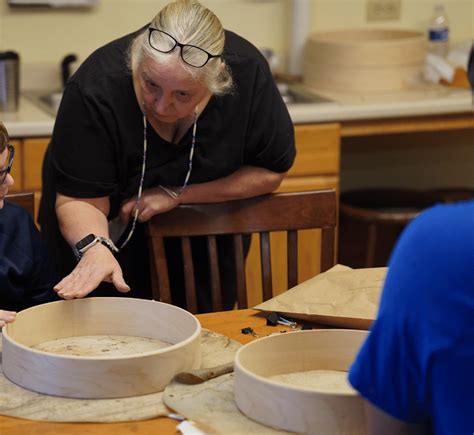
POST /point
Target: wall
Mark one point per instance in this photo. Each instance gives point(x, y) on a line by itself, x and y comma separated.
point(46, 35)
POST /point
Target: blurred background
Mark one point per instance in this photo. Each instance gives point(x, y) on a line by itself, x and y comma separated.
point(402, 140)
point(45, 35)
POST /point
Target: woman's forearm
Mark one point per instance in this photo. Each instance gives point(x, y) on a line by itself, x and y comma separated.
point(78, 217)
point(246, 182)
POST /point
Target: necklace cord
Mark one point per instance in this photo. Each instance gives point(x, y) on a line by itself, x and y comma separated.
point(167, 190)
point(140, 187)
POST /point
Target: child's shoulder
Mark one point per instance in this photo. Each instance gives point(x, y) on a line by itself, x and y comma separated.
point(13, 214)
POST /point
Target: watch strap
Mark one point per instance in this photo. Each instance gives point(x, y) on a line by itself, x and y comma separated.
point(107, 242)
point(79, 252)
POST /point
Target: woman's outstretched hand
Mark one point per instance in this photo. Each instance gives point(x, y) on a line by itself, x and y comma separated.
point(6, 317)
point(96, 265)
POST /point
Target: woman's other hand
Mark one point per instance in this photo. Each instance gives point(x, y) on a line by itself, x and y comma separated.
point(96, 265)
point(6, 317)
point(154, 201)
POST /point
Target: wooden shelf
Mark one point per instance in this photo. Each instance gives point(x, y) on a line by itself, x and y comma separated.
point(410, 124)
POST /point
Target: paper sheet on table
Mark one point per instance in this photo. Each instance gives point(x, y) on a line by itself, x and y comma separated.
point(341, 296)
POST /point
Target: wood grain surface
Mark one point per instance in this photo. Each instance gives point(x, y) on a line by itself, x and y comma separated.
point(295, 408)
point(104, 376)
point(229, 323)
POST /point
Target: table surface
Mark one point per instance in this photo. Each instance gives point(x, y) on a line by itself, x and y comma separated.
point(229, 323)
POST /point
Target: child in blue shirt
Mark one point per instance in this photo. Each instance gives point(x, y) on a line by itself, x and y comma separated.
point(26, 275)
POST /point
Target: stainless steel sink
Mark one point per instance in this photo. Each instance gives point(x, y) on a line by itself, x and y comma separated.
point(296, 94)
point(46, 100)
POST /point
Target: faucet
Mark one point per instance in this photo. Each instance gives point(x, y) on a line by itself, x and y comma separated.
point(66, 67)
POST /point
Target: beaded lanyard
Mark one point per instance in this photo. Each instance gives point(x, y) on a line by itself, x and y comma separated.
point(165, 189)
point(140, 187)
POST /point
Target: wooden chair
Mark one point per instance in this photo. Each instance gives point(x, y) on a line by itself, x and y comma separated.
point(288, 212)
point(25, 200)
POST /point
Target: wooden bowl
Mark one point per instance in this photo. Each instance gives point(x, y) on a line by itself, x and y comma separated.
point(97, 377)
point(299, 406)
point(364, 60)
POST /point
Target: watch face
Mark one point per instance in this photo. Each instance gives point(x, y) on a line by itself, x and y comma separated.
point(81, 244)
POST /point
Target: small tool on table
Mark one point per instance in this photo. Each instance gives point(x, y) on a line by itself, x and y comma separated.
point(249, 330)
point(274, 319)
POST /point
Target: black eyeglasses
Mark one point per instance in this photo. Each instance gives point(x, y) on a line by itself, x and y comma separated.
point(165, 43)
point(6, 171)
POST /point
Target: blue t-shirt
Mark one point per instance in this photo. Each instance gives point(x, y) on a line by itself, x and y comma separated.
point(26, 275)
point(417, 364)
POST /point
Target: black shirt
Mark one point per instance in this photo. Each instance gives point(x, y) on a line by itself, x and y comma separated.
point(97, 144)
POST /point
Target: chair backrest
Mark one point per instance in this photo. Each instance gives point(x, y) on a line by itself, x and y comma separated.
point(288, 212)
point(25, 200)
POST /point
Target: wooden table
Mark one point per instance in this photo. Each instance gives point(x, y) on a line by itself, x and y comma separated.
point(229, 323)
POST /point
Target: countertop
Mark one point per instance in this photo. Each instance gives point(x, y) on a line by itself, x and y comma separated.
point(32, 121)
point(29, 121)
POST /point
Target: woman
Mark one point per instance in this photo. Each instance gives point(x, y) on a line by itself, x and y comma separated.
point(178, 112)
point(26, 275)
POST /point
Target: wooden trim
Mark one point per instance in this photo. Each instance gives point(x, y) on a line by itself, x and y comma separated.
point(318, 150)
point(370, 127)
point(256, 214)
point(33, 156)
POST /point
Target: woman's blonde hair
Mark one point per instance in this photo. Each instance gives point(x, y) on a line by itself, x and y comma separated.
point(189, 22)
point(4, 138)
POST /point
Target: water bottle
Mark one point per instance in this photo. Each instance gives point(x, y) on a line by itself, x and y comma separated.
point(438, 32)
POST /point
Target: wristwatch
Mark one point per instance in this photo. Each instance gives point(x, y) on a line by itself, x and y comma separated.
point(91, 240)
